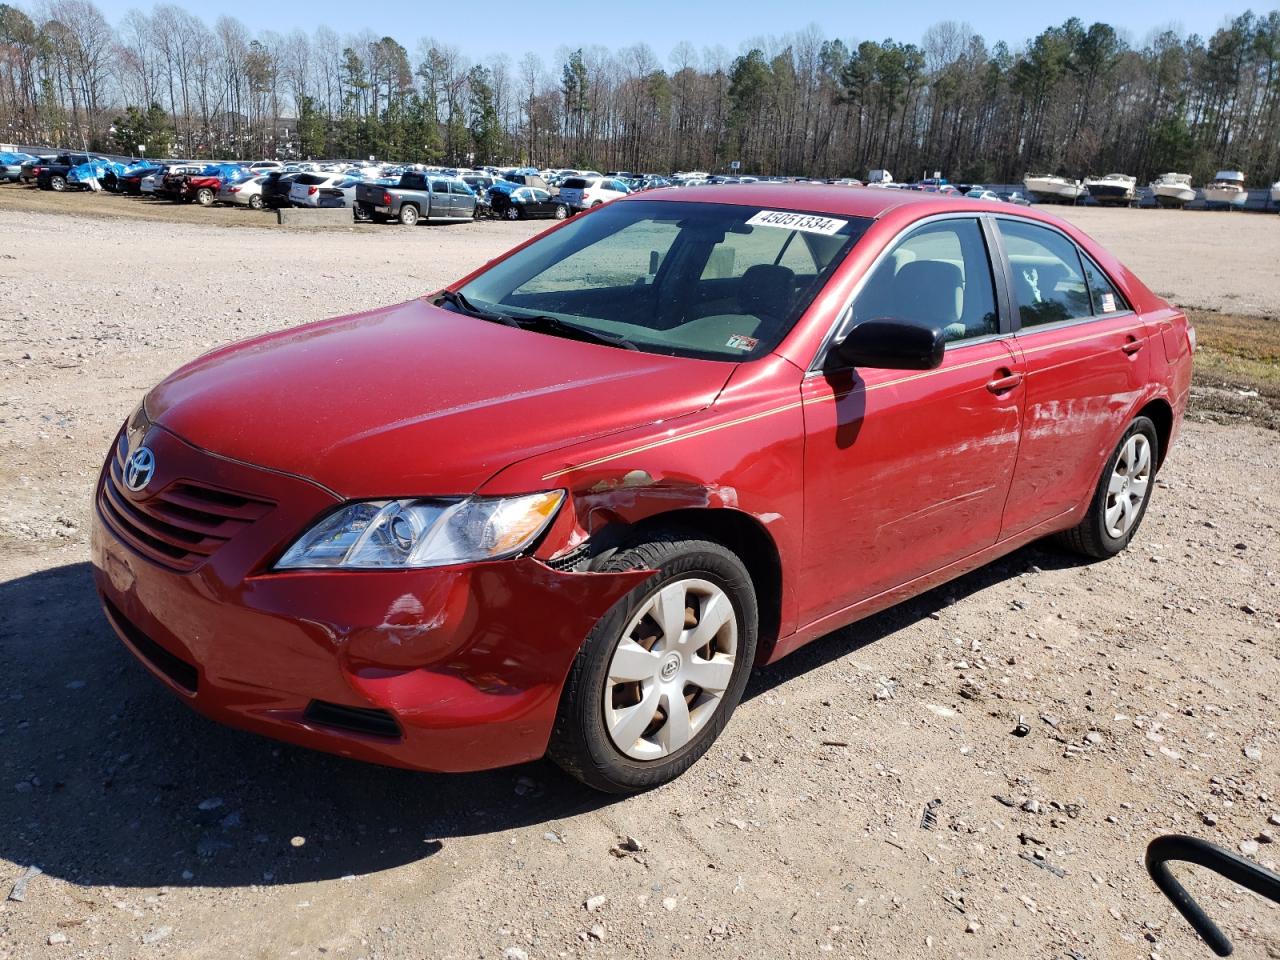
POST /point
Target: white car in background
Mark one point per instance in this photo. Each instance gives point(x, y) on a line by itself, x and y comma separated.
point(150, 184)
point(583, 193)
point(246, 193)
point(305, 189)
point(266, 166)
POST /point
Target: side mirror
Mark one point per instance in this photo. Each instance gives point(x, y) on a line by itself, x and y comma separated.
point(891, 345)
point(1235, 868)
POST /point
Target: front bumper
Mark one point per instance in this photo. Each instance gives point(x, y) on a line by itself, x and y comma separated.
point(448, 669)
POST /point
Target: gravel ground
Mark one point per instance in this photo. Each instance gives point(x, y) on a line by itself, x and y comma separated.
point(1149, 684)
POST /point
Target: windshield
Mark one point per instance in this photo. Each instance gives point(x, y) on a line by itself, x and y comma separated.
point(710, 280)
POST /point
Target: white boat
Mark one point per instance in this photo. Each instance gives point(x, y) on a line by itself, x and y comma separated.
point(1173, 189)
point(1050, 189)
point(1112, 190)
point(1226, 190)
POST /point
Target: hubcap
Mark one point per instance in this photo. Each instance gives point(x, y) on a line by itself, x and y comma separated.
point(1127, 488)
point(670, 669)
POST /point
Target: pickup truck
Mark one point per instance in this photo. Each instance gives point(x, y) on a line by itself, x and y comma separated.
point(53, 175)
point(416, 197)
point(184, 184)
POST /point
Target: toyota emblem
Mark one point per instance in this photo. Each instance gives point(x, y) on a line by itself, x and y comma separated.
point(139, 468)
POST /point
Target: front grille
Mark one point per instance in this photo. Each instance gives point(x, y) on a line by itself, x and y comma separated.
point(182, 525)
point(174, 667)
point(367, 720)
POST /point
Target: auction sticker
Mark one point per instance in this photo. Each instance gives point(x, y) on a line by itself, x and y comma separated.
point(805, 222)
point(742, 342)
point(1108, 303)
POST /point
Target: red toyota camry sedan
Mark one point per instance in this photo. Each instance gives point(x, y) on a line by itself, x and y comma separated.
point(561, 507)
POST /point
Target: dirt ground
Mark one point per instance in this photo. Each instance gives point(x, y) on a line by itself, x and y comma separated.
point(1149, 684)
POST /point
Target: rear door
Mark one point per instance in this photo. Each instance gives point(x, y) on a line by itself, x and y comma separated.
point(907, 471)
point(1086, 354)
point(441, 205)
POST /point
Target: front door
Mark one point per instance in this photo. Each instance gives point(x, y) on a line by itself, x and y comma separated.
point(907, 471)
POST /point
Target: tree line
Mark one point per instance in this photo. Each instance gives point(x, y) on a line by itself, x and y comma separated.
point(1076, 99)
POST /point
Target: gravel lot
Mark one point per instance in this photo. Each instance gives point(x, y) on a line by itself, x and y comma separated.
point(1149, 683)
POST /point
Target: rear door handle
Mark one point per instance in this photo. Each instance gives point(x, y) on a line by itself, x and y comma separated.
point(1004, 383)
point(1132, 345)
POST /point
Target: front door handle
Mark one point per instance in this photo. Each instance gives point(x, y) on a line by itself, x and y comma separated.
point(1132, 345)
point(1004, 383)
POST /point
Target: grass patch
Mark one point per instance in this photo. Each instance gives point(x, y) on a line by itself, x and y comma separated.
point(1236, 376)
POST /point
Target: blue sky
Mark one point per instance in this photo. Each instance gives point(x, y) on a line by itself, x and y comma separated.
point(481, 29)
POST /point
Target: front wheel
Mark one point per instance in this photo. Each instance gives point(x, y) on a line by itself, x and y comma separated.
point(660, 674)
point(204, 197)
point(1121, 497)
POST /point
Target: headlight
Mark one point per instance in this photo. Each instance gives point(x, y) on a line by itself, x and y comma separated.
point(378, 534)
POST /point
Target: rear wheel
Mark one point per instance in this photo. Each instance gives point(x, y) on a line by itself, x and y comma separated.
point(1120, 499)
point(255, 202)
point(561, 211)
point(57, 183)
point(660, 675)
point(512, 213)
point(596, 204)
point(409, 215)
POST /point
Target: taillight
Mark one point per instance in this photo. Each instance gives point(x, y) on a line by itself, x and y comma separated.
point(233, 190)
point(311, 191)
point(386, 199)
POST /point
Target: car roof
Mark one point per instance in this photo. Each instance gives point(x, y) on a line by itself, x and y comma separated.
point(829, 199)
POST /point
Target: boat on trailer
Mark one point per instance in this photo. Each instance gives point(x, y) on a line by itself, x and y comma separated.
point(1226, 190)
point(1112, 190)
point(1046, 188)
point(1173, 190)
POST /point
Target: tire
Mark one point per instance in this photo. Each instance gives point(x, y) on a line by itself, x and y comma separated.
point(408, 215)
point(583, 741)
point(597, 204)
point(511, 213)
point(561, 211)
point(1098, 536)
point(57, 184)
point(255, 202)
point(204, 197)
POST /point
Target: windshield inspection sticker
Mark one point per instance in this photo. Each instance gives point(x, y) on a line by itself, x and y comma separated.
point(805, 222)
point(740, 342)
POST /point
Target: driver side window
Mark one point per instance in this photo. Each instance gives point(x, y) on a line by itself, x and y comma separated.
point(939, 275)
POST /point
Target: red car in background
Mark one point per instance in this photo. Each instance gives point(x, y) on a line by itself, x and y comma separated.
point(563, 506)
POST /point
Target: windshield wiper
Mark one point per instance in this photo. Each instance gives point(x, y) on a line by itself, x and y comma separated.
point(550, 324)
point(463, 305)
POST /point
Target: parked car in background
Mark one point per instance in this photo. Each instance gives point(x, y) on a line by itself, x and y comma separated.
point(583, 193)
point(11, 166)
point(190, 184)
point(265, 166)
point(418, 196)
point(246, 193)
point(978, 193)
point(275, 189)
point(305, 189)
point(1013, 196)
point(131, 183)
point(53, 175)
point(564, 507)
point(529, 203)
point(31, 168)
point(151, 183)
point(339, 193)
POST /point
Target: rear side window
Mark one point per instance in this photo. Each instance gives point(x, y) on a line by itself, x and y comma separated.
point(1048, 278)
point(311, 180)
point(460, 188)
point(439, 186)
point(1106, 298)
point(939, 275)
point(575, 183)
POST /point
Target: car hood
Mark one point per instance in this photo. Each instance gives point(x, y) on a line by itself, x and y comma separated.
point(415, 400)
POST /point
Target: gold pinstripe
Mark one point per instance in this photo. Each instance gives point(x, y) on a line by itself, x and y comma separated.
point(712, 428)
